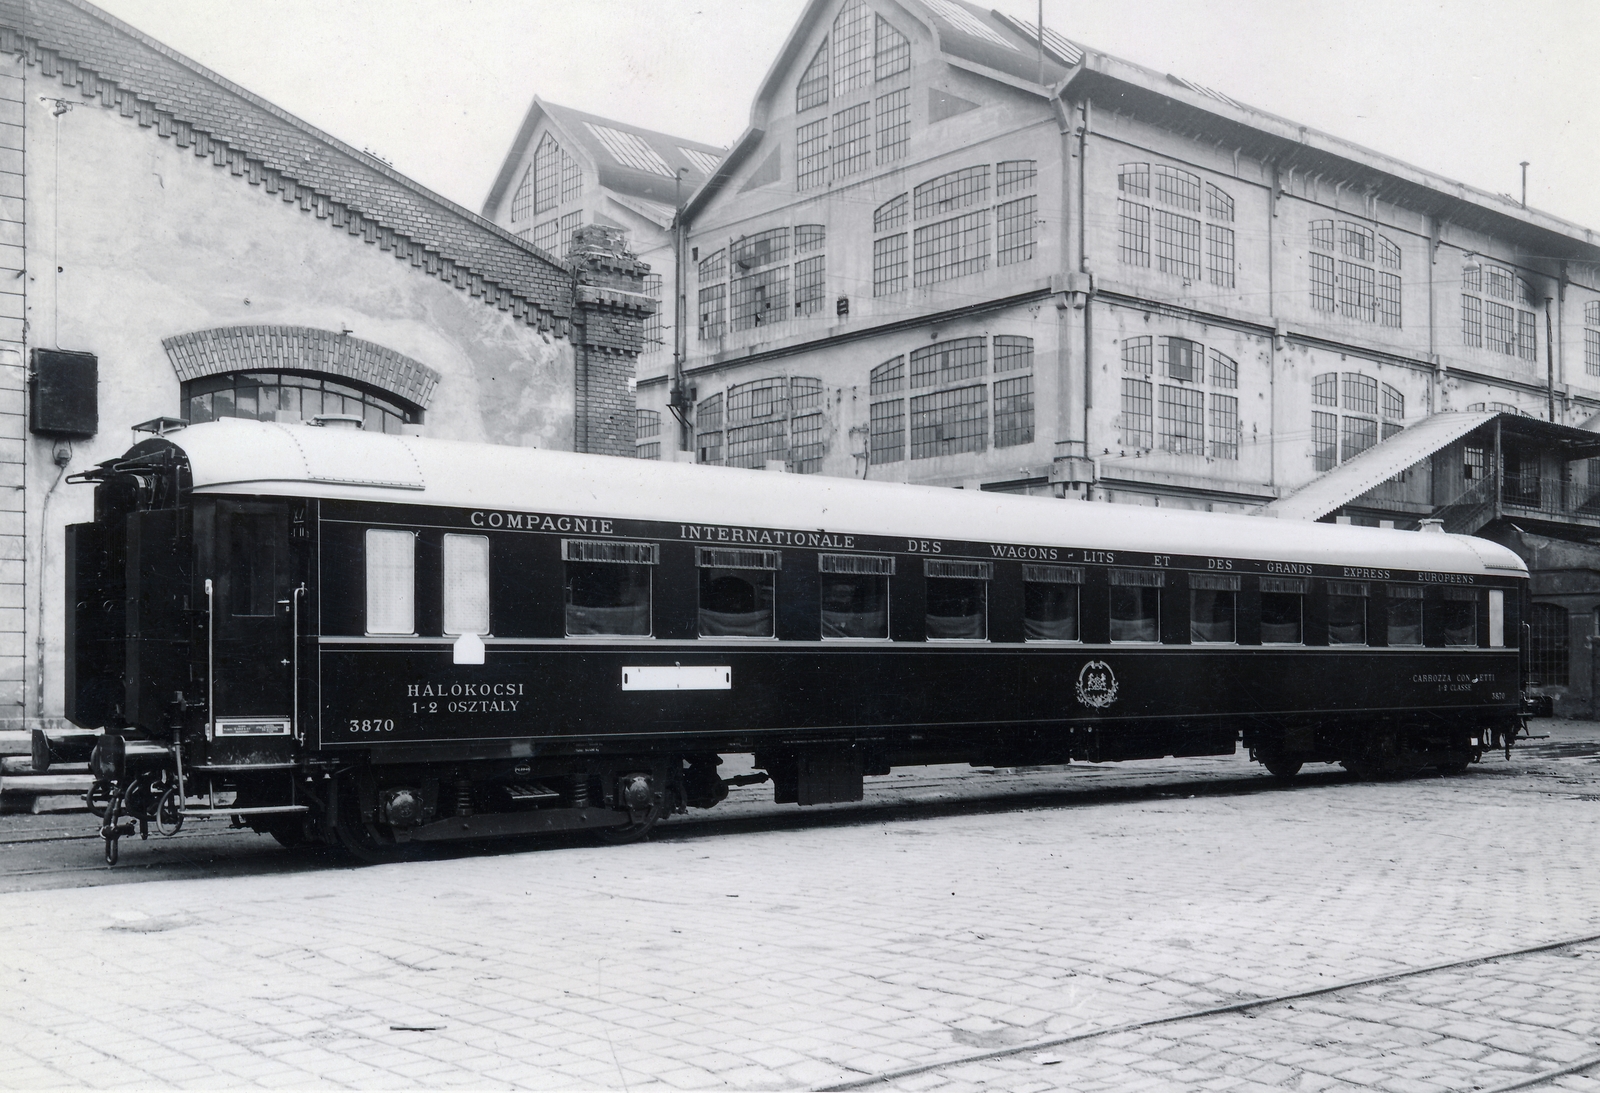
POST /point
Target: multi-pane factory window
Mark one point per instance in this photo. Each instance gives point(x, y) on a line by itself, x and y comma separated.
point(950, 422)
point(1012, 353)
point(652, 324)
point(1183, 359)
point(811, 154)
point(1219, 206)
point(759, 299)
point(891, 50)
point(571, 179)
point(889, 415)
point(546, 175)
point(1013, 412)
point(1591, 337)
point(852, 48)
point(1138, 355)
point(894, 125)
point(522, 200)
point(1548, 655)
point(547, 236)
point(1472, 321)
point(1363, 289)
point(647, 427)
point(1176, 242)
point(888, 431)
point(813, 87)
point(1501, 328)
point(891, 214)
point(1177, 188)
point(951, 248)
point(713, 312)
point(1015, 176)
point(1134, 224)
point(806, 446)
point(1322, 297)
point(1373, 412)
point(1173, 238)
point(1224, 370)
point(708, 429)
point(1324, 441)
point(1527, 336)
point(1015, 229)
point(948, 362)
point(1359, 434)
point(809, 237)
point(1358, 297)
point(570, 223)
point(761, 249)
point(1219, 255)
point(1182, 420)
point(889, 264)
point(889, 377)
point(956, 190)
point(1224, 427)
point(1136, 425)
point(808, 285)
point(852, 140)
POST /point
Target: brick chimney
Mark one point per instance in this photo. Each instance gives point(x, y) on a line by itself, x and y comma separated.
point(610, 307)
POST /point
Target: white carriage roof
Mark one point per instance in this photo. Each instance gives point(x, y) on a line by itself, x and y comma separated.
point(262, 458)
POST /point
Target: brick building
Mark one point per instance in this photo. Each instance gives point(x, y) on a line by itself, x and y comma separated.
point(218, 257)
point(567, 169)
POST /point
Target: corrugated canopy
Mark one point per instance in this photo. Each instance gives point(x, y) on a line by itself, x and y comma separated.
point(1375, 466)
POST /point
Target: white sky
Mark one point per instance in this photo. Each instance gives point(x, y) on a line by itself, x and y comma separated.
point(1465, 88)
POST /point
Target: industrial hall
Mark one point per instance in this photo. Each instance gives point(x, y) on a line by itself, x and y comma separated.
point(176, 249)
point(954, 248)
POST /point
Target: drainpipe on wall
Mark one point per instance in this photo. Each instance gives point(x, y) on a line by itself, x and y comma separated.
point(1549, 360)
point(678, 394)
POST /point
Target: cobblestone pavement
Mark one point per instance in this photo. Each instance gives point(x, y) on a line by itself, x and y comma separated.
point(761, 953)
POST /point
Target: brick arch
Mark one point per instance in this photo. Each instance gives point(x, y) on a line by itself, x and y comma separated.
point(204, 353)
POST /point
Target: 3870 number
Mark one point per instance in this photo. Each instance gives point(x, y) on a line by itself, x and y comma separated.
point(358, 725)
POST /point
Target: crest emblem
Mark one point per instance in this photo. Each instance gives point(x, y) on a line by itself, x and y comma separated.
point(1097, 685)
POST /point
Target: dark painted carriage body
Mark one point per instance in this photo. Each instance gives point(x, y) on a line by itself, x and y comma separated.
point(219, 610)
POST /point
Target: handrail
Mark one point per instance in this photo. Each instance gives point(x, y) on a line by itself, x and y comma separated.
point(211, 662)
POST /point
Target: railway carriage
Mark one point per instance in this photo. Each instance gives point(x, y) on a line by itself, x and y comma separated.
point(373, 640)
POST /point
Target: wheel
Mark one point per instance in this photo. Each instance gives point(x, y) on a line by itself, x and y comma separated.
point(1280, 766)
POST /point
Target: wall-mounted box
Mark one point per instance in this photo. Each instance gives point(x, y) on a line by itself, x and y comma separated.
point(63, 393)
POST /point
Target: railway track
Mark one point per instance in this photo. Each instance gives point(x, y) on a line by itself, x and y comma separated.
point(1249, 1008)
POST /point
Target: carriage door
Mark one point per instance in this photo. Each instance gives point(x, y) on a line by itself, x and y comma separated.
point(252, 614)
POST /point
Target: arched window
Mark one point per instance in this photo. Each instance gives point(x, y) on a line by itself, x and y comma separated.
point(855, 66)
point(552, 180)
point(1548, 654)
point(1173, 238)
point(1191, 419)
point(778, 418)
point(1496, 311)
point(294, 396)
point(1364, 284)
point(1374, 412)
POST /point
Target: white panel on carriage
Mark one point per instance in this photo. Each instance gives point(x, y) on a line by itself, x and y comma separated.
point(702, 504)
point(677, 677)
point(234, 451)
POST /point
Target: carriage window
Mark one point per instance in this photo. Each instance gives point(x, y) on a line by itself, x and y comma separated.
point(736, 592)
point(391, 582)
point(855, 595)
point(252, 563)
point(1405, 614)
point(1136, 604)
point(1213, 607)
point(1458, 616)
point(958, 599)
point(466, 584)
point(1050, 602)
point(608, 587)
point(1283, 610)
point(1347, 612)
point(1497, 619)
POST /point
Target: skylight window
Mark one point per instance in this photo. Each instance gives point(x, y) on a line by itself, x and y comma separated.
point(704, 162)
point(630, 150)
point(967, 23)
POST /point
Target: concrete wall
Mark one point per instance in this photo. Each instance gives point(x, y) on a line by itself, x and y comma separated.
point(132, 240)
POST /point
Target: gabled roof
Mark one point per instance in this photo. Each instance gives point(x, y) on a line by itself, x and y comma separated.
point(631, 160)
point(104, 60)
point(989, 42)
